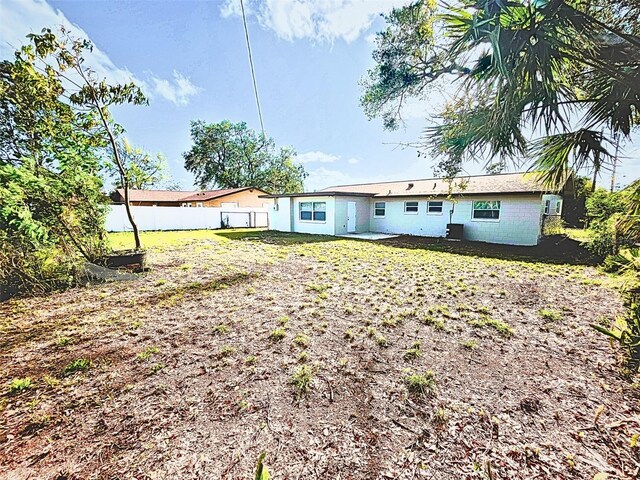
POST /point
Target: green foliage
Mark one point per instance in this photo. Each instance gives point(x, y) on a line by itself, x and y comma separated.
point(302, 379)
point(52, 209)
point(149, 351)
point(261, 471)
point(19, 385)
point(77, 365)
point(414, 351)
point(421, 383)
point(143, 170)
point(230, 155)
point(278, 334)
point(606, 214)
point(626, 332)
point(567, 71)
point(550, 315)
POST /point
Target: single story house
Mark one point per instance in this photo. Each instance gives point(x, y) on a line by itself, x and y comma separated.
point(505, 208)
point(226, 198)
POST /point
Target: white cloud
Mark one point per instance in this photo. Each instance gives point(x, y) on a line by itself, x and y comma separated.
point(177, 91)
point(21, 17)
point(353, 161)
point(323, 177)
point(312, 157)
point(318, 20)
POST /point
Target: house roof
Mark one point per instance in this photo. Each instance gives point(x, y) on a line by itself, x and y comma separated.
point(322, 193)
point(154, 195)
point(479, 184)
point(211, 194)
point(179, 195)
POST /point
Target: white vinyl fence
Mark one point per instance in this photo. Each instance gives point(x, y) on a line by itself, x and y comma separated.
point(182, 218)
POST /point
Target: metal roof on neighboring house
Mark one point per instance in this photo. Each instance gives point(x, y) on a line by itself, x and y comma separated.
point(322, 193)
point(211, 194)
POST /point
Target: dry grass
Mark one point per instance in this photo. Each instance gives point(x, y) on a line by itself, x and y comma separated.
point(178, 375)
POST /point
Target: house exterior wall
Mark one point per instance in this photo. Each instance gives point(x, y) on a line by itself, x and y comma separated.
point(363, 212)
point(396, 220)
point(280, 214)
point(519, 222)
point(328, 227)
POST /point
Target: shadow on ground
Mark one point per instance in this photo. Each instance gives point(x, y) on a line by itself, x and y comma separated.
point(555, 249)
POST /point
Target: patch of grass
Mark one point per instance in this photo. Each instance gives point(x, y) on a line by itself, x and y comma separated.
point(278, 334)
point(470, 344)
point(315, 287)
point(501, 327)
point(349, 334)
point(414, 351)
point(303, 357)
point(302, 379)
point(251, 360)
point(63, 341)
point(77, 365)
point(157, 367)
point(226, 351)
point(421, 383)
point(301, 340)
point(550, 315)
point(436, 323)
point(283, 320)
point(147, 353)
point(220, 329)
point(19, 385)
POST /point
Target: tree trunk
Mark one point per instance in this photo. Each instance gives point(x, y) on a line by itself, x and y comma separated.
point(134, 225)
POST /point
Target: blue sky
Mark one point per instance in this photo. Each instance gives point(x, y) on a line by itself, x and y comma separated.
point(190, 58)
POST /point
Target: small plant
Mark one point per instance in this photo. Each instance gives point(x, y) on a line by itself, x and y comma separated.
point(301, 340)
point(283, 320)
point(226, 351)
point(303, 357)
point(470, 344)
point(302, 379)
point(436, 323)
point(261, 471)
point(349, 335)
point(19, 385)
point(626, 331)
point(278, 334)
point(251, 360)
point(63, 341)
point(147, 353)
point(220, 329)
point(157, 367)
point(414, 351)
point(421, 383)
point(77, 365)
point(550, 315)
point(342, 362)
point(501, 327)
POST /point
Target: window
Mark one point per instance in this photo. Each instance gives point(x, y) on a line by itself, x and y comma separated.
point(379, 209)
point(313, 211)
point(434, 207)
point(183, 205)
point(486, 210)
point(411, 207)
point(199, 204)
point(558, 204)
point(546, 207)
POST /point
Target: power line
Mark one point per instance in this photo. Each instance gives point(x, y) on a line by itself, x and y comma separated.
point(253, 72)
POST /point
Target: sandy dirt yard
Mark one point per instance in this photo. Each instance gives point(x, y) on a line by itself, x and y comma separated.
point(341, 359)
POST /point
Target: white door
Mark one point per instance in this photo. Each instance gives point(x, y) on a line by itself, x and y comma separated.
point(351, 217)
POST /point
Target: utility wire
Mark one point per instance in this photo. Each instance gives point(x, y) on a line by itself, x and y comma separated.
point(253, 72)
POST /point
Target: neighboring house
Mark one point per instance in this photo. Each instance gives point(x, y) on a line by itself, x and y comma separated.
point(504, 208)
point(227, 198)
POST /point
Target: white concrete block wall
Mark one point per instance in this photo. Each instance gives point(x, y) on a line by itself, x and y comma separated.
point(305, 226)
point(519, 222)
point(397, 221)
point(280, 215)
point(362, 214)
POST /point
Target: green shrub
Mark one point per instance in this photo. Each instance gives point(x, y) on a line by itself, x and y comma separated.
point(18, 385)
point(626, 331)
point(77, 365)
point(421, 383)
point(302, 379)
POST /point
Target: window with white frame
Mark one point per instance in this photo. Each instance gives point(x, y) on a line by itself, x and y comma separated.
point(558, 206)
point(411, 207)
point(199, 205)
point(379, 209)
point(434, 208)
point(547, 205)
point(486, 210)
point(313, 211)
